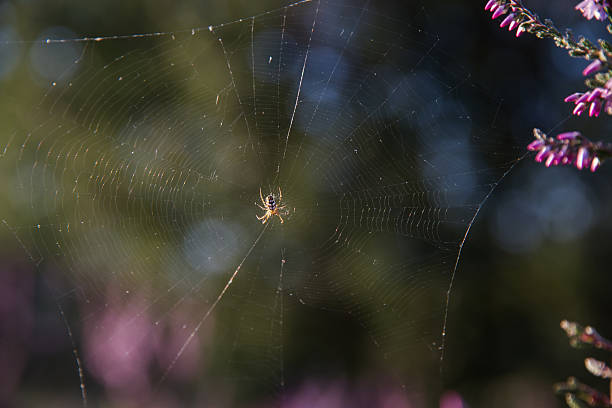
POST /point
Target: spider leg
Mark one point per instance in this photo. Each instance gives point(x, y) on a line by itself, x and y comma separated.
point(280, 194)
point(261, 196)
point(265, 209)
point(281, 218)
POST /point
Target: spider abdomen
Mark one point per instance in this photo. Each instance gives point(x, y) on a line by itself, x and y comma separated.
point(271, 203)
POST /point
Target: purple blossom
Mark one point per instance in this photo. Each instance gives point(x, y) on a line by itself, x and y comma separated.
point(595, 100)
point(542, 153)
point(596, 93)
point(580, 107)
point(592, 67)
point(535, 145)
point(499, 11)
point(593, 9)
point(573, 97)
point(595, 108)
point(583, 157)
point(509, 19)
point(565, 136)
point(567, 148)
point(512, 20)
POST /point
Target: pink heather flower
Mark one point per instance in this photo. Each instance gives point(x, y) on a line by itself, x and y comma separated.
point(580, 107)
point(595, 108)
point(520, 31)
point(573, 97)
point(499, 8)
point(583, 98)
point(568, 148)
point(595, 100)
point(593, 9)
point(582, 157)
point(561, 154)
point(509, 18)
point(498, 12)
point(595, 93)
point(535, 145)
point(543, 151)
point(592, 67)
point(567, 136)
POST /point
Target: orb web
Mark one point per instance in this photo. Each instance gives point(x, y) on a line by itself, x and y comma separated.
point(134, 186)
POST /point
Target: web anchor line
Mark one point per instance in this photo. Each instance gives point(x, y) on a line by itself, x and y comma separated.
point(210, 309)
point(456, 265)
point(331, 75)
point(147, 34)
point(297, 96)
point(75, 353)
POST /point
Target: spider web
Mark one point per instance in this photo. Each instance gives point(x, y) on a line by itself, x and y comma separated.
point(134, 193)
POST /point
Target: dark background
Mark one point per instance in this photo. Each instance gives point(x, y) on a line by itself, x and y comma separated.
point(537, 253)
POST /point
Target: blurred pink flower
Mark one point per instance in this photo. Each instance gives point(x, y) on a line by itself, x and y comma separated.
point(593, 9)
point(592, 68)
point(124, 344)
point(120, 346)
point(451, 399)
point(313, 394)
point(340, 394)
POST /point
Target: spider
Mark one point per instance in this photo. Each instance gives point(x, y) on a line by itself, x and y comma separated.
point(270, 206)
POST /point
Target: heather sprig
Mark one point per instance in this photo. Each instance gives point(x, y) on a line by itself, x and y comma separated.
point(596, 100)
point(580, 336)
point(569, 147)
point(524, 20)
point(593, 9)
point(577, 394)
